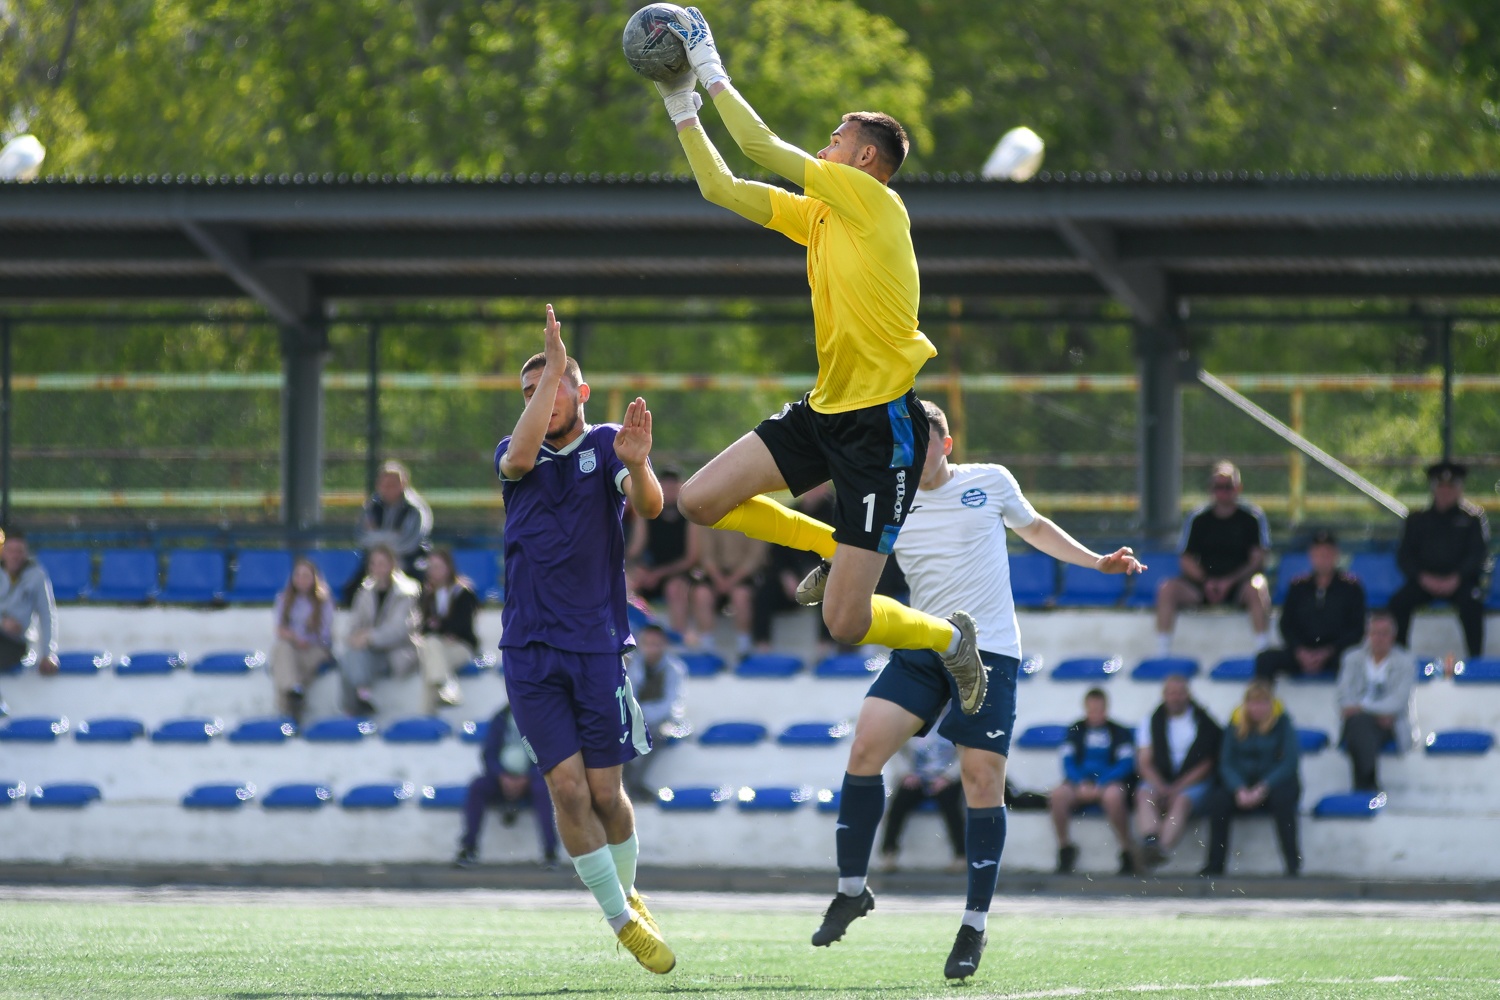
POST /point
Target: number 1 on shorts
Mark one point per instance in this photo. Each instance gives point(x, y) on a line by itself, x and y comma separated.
point(869, 502)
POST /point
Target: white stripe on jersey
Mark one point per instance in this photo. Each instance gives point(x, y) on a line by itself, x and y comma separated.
point(952, 550)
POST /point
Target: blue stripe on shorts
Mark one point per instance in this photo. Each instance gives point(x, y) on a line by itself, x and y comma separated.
point(904, 449)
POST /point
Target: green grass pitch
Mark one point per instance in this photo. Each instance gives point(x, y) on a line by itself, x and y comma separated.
point(266, 948)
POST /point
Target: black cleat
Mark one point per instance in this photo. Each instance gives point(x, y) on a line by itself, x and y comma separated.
point(968, 947)
point(1067, 858)
point(465, 858)
point(842, 912)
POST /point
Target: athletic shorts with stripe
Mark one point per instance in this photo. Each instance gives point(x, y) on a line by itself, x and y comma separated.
point(874, 456)
point(564, 702)
point(916, 680)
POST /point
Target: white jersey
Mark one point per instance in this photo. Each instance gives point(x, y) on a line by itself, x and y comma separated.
point(952, 550)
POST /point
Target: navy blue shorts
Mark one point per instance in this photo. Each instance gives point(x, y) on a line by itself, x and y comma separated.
point(566, 702)
point(916, 680)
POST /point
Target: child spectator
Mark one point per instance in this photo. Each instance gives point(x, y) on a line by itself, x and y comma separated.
point(656, 677)
point(448, 606)
point(1375, 684)
point(510, 781)
point(1177, 758)
point(304, 637)
point(1257, 772)
point(934, 776)
point(1098, 764)
point(382, 639)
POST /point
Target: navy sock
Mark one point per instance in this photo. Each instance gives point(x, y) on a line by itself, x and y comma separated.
point(861, 804)
point(984, 840)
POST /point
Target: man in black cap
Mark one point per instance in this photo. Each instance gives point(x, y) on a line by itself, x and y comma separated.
point(1443, 552)
point(1323, 615)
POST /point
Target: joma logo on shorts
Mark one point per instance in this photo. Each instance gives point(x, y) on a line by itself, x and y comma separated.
point(900, 493)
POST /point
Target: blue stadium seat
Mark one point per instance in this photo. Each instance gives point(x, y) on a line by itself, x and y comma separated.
point(338, 730)
point(702, 664)
point(694, 799)
point(149, 664)
point(11, 791)
point(827, 800)
point(127, 576)
point(1484, 670)
point(109, 730)
point(420, 729)
point(384, 795)
point(195, 730)
point(221, 796)
point(1292, 565)
point(259, 575)
point(194, 576)
point(482, 569)
point(1313, 740)
point(1460, 742)
point(1378, 573)
point(1030, 667)
point(851, 666)
point(732, 734)
point(336, 565)
point(1048, 737)
point(274, 729)
point(71, 572)
point(1087, 668)
point(1088, 588)
point(814, 734)
point(1159, 566)
point(234, 664)
point(769, 665)
point(443, 796)
point(1161, 667)
point(33, 729)
point(477, 666)
point(63, 796)
point(474, 732)
point(1033, 579)
point(1235, 670)
point(308, 796)
point(1350, 805)
point(84, 663)
point(772, 799)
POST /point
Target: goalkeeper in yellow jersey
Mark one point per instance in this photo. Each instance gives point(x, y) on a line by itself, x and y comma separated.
point(861, 425)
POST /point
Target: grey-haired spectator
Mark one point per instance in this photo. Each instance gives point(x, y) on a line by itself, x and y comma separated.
point(1374, 693)
point(382, 639)
point(1322, 616)
point(25, 594)
point(657, 677)
point(448, 606)
point(397, 517)
point(1443, 554)
point(662, 553)
point(304, 636)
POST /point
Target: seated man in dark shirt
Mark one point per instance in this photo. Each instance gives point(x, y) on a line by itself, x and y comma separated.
point(1324, 614)
point(662, 553)
point(1222, 553)
point(1443, 553)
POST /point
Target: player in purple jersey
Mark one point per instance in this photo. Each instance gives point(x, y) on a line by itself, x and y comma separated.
point(564, 631)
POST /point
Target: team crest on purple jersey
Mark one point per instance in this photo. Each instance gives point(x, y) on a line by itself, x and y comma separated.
point(588, 461)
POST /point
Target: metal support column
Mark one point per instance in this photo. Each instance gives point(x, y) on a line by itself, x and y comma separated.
point(1447, 345)
point(304, 352)
point(1159, 432)
point(372, 412)
point(5, 400)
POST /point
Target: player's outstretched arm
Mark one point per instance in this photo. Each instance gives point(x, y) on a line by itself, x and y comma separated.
point(531, 428)
point(633, 448)
point(749, 199)
point(1044, 535)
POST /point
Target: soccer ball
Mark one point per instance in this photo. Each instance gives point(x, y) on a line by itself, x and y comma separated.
point(651, 48)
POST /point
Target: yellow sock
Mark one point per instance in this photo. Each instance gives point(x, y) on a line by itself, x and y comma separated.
point(769, 521)
point(895, 625)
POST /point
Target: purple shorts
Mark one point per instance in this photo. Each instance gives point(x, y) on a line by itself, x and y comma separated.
point(566, 702)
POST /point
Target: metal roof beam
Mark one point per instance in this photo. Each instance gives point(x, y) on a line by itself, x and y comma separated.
point(286, 293)
point(1141, 287)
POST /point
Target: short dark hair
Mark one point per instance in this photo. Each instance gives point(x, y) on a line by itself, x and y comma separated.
point(1096, 693)
point(885, 133)
point(1385, 613)
point(936, 419)
point(668, 472)
point(570, 368)
point(12, 535)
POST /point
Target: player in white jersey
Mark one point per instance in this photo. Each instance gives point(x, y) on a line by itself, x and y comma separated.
point(952, 550)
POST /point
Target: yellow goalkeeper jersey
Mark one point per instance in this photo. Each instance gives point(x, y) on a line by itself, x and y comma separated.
point(865, 287)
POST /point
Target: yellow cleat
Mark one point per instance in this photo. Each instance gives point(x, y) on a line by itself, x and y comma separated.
point(637, 904)
point(647, 947)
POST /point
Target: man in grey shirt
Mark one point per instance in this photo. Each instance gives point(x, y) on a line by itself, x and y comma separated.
point(397, 517)
point(1374, 692)
point(25, 593)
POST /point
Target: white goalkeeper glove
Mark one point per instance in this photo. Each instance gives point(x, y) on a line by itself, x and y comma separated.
point(680, 95)
point(701, 51)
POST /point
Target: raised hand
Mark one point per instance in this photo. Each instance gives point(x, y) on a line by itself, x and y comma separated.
point(702, 53)
point(557, 355)
point(1121, 560)
point(633, 442)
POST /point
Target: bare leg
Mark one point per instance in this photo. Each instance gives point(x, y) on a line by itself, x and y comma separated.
point(678, 593)
point(578, 825)
point(1061, 803)
point(851, 584)
point(1178, 814)
point(983, 773)
point(1171, 595)
point(1147, 812)
point(610, 803)
point(743, 470)
point(705, 612)
point(882, 729)
point(1115, 809)
point(1255, 595)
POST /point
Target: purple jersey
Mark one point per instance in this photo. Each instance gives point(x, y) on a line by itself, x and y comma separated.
point(565, 548)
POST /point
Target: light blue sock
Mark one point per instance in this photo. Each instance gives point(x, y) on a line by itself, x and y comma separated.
point(625, 856)
point(597, 869)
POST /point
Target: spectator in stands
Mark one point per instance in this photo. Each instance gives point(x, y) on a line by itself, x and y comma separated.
point(448, 606)
point(25, 594)
point(1221, 555)
point(785, 568)
point(1375, 683)
point(510, 781)
point(382, 638)
point(1257, 772)
point(933, 776)
point(729, 568)
point(662, 554)
point(1098, 766)
point(1443, 554)
point(396, 517)
point(304, 637)
point(1323, 615)
point(656, 678)
point(1177, 758)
